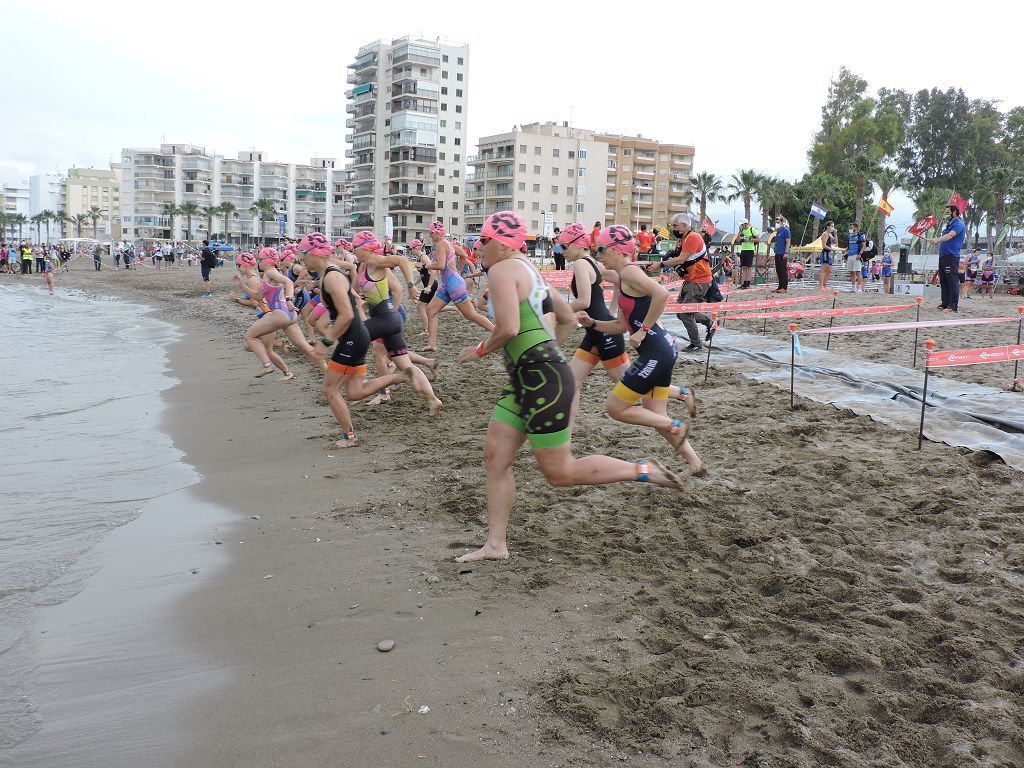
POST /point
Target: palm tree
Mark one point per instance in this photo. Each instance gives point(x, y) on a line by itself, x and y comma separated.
point(62, 218)
point(18, 220)
point(38, 221)
point(228, 210)
point(47, 216)
point(5, 222)
point(79, 220)
point(708, 188)
point(743, 185)
point(823, 188)
point(997, 183)
point(209, 212)
point(170, 210)
point(95, 213)
point(263, 208)
point(188, 210)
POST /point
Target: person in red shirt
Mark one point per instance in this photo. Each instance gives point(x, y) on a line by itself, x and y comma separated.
point(593, 236)
point(690, 259)
point(644, 240)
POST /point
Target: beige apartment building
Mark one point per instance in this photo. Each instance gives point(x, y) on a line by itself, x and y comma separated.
point(647, 181)
point(88, 187)
point(538, 169)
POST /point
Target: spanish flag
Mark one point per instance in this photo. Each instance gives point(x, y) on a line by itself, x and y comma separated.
point(885, 207)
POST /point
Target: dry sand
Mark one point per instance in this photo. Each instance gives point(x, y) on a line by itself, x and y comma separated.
point(826, 597)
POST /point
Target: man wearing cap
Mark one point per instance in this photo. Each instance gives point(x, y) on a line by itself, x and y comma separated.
point(690, 260)
point(950, 243)
point(748, 249)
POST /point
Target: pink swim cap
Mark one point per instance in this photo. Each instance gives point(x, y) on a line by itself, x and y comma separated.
point(367, 240)
point(416, 244)
point(619, 238)
point(507, 227)
point(316, 244)
point(575, 235)
point(270, 256)
point(245, 259)
point(437, 227)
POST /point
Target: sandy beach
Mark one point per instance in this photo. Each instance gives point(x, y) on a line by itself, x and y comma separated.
point(826, 596)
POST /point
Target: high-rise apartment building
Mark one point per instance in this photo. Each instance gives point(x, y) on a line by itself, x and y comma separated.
point(99, 187)
point(647, 181)
point(44, 191)
point(407, 136)
point(306, 198)
point(537, 169)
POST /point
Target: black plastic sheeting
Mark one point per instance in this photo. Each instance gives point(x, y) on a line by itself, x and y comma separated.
point(958, 413)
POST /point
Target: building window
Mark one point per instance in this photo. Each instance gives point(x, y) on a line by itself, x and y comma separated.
point(440, 188)
point(554, 171)
point(443, 139)
point(583, 154)
point(440, 171)
point(444, 123)
point(458, 91)
point(536, 187)
point(521, 205)
point(568, 191)
point(444, 74)
point(440, 203)
point(458, 108)
point(533, 224)
point(458, 76)
point(581, 172)
point(553, 207)
point(664, 157)
point(554, 189)
point(419, 219)
point(572, 154)
point(522, 167)
point(663, 172)
point(458, 141)
point(458, 126)
point(455, 206)
point(579, 207)
point(455, 221)
point(611, 165)
point(444, 90)
point(663, 185)
point(441, 155)
point(455, 190)
point(461, 60)
point(455, 173)
point(627, 152)
point(536, 150)
point(570, 172)
point(522, 186)
point(444, 107)
point(554, 152)
point(568, 209)
point(536, 169)
point(522, 148)
point(444, 58)
point(536, 207)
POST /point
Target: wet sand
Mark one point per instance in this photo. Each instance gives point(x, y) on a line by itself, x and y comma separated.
point(827, 596)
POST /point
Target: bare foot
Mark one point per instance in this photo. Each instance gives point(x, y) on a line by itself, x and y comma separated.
point(342, 443)
point(435, 407)
point(383, 396)
point(430, 349)
point(690, 401)
point(288, 376)
point(679, 438)
point(409, 376)
point(696, 471)
point(486, 552)
point(267, 369)
point(432, 366)
point(663, 476)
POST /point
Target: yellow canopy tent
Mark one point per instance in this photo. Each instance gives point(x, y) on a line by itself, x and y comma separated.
point(814, 247)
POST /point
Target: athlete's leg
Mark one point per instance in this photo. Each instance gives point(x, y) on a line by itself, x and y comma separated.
point(331, 391)
point(418, 381)
point(357, 387)
point(561, 468)
point(470, 313)
point(683, 447)
point(268, 345)
point(268, 324)
point(433, 308)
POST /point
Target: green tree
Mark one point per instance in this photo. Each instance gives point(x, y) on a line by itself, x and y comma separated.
point(828, 191)
point(170, 210)
point(188, 210)
point(888, 180)
point(5, 222)
point(210, 212)
point(931, 202)
point(37, 219)
point(743, 186)
point(18, 220)
point(95, 213)
point(79, 220)
point(263, 208)
point(62, 218)
point(707, 188)
point(48, 217)
point(998, 184)
point(228, 211)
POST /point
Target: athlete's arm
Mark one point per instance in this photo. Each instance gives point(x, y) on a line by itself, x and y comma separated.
point(289, 287)
point(436, 260)
point(584, 278)
point(398, 261)
point(396, 288)
point(565, 318)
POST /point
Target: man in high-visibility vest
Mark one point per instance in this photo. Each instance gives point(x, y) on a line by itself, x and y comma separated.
point(749, 238)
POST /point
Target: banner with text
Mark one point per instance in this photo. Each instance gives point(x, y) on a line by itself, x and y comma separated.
point(807, 314)
point(975, 356)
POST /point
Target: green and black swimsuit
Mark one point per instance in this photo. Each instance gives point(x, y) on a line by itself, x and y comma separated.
point(537, 401)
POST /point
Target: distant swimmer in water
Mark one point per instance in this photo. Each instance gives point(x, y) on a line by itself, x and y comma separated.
point(536, 404)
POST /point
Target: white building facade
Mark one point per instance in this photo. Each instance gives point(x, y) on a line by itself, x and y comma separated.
point(407, 136)
point(536, 169)
point(306, 197)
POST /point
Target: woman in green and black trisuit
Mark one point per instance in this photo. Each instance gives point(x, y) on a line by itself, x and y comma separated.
point(536, 404)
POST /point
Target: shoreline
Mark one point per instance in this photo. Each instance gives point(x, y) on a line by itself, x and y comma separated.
point(783, 610)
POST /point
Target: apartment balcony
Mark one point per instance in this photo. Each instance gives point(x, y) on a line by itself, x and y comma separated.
point(422, 205)
point(501, 194)
point(362, 220)
point(498, 156)
point(407, 172)
point(350, 122)
point(476, 194)
point(363, 193)
point(644, 174)
point(677, 207)
point(415, 58)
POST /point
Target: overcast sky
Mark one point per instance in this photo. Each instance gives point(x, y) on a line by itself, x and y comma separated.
point(742, 81)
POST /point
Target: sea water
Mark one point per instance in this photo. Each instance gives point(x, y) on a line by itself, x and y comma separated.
point(81, 452)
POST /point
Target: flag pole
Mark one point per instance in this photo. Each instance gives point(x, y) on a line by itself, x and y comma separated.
point(803, 236)
point(707, 364)
point(929, 345)
point(835, 296)
point(792, 362)
point(917, 330)
point(1020, 322)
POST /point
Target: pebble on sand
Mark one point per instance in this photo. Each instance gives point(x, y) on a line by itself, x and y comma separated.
point(385, 645)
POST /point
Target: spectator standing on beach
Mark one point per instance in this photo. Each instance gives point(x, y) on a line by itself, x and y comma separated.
point(208, 263)
point(644, 241)
point(97, 256)
point(950, 242)
point(179, 253)
point(40, 254)
point(749, 239)
point(854, 247)
point(783, 241)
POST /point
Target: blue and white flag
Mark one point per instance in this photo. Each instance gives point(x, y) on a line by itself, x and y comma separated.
point(818, 212)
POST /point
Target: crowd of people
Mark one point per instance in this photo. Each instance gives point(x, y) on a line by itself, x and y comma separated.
point(343, 307)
